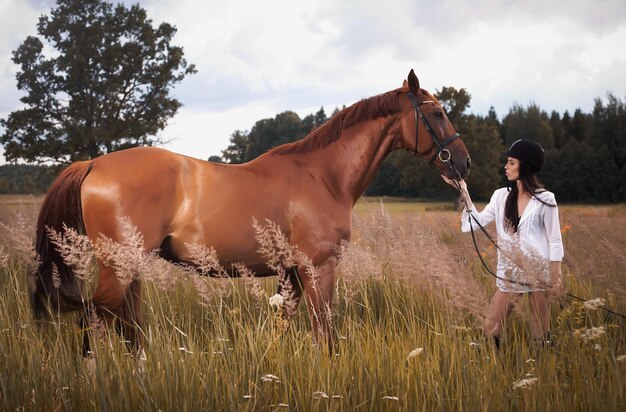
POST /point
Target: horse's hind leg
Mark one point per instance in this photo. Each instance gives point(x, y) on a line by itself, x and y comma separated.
point(116, 304)
point(130, 320)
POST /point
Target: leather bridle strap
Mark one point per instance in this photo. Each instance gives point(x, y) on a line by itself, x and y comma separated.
point(441, 146)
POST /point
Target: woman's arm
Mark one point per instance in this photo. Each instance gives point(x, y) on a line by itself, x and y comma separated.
point(555, 242)
point(557, 288)
point(484, 218)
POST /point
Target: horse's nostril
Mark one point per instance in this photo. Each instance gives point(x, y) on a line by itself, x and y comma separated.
point(469, 163)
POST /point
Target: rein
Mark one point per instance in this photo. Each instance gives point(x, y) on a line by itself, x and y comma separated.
point(482, 228)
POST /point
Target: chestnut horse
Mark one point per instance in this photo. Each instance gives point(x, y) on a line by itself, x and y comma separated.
point(308, 188)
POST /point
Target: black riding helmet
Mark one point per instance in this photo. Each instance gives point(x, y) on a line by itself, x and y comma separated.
point(530, 153)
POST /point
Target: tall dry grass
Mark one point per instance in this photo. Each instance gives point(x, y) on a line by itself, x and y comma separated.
point(409, 299)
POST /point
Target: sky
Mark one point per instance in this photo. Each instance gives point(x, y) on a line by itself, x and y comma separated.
point(256, 59)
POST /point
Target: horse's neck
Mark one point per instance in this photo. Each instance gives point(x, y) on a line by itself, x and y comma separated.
point(357, 155)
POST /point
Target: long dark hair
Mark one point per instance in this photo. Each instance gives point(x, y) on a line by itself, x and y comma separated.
point(532, 185)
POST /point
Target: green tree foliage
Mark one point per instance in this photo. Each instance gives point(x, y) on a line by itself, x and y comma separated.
point(25, 179)
point(527, 123)
point(4, 185)
point(455, 102)
point(482, 139)
point(105, 86)
point(580, 173)
point(609, 127)
point(584, 152)
point(268, 133)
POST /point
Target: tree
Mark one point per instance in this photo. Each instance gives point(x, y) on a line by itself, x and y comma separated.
point(105, 87)
point(454, 102)
point(558, 131)
point(268, 133)
point(579, 173)
point(237, 150)
point(4, 185)
point(483, 142)
point(216, 159)
point(530, 123)
point(579, 126)
point(387, 179)
point(609, 127)
point(313, 121)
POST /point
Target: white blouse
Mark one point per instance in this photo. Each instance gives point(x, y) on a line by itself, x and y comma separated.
point(538, 238)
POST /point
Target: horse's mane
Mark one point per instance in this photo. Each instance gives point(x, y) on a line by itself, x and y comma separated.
point(366, 109)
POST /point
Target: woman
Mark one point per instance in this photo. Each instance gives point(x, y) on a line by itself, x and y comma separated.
point(529, 239)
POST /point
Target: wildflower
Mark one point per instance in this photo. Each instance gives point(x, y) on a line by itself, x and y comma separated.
point(391, 398)
point(320, 395)
point(270, 378)
point(621, 358)
point(205, 260)
point(274, 245)
point(414, 353)
point(249, 279)
point(475, 345)
point(277, 300)
point(56, 278)
point(593, 304)
point(128, 258)
point(248, 396)
point(589, 334)
point(75, 249)
point(524, 383)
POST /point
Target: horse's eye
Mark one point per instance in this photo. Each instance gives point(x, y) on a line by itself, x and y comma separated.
point(439, 114)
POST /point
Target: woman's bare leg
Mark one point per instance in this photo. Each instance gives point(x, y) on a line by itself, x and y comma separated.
point(499, 309)
point(540, 314)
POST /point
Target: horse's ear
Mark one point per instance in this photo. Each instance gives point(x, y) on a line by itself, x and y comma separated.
point(405, 83)
point(414, 83)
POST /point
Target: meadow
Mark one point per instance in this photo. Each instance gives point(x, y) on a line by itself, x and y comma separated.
point(409, 299)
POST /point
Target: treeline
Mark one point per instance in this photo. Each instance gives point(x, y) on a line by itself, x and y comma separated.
point(585, 152)
point(25, 179)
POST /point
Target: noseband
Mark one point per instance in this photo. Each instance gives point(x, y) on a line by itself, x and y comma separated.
point(441, 152)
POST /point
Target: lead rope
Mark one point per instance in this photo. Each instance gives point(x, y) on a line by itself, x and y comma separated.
point(482, 228)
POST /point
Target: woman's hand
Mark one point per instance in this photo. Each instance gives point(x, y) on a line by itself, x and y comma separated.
point(456, 183)
point(461, 186)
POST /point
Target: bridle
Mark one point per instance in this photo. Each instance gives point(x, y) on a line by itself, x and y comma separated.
point(441, 152)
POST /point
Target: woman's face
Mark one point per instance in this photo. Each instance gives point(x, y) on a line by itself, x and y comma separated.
point(511, 169)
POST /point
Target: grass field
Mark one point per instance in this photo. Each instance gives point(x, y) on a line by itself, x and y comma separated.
point(409, 301)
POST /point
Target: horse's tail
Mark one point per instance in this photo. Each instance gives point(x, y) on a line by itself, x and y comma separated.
point(55, 282)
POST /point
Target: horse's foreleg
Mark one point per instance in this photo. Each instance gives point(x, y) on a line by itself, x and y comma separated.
point(319, 289)
point(290, 288)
